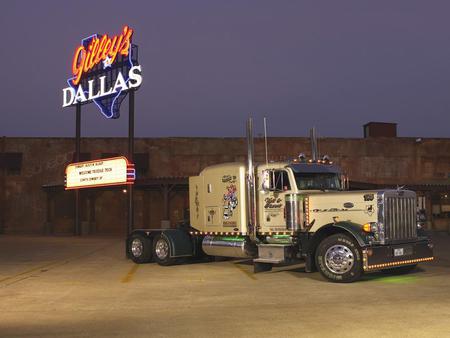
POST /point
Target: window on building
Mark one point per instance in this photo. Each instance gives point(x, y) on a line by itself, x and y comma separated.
point(141, 164)
point(12, 163)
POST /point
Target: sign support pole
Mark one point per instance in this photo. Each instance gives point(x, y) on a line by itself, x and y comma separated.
point(77, 230)
point(2, 184)
point(130, 159)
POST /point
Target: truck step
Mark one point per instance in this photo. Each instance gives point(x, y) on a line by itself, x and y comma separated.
point(273, 253)
point(268, 260)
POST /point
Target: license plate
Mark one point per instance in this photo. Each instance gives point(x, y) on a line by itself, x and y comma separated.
point(402, 251)
point(399, 252)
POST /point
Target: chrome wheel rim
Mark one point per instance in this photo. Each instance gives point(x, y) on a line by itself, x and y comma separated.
point(137, 247)
point(339, 259)
point(161, 249)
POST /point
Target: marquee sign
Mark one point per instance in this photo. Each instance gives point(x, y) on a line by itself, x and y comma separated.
point(104, 68)
point(100, 173)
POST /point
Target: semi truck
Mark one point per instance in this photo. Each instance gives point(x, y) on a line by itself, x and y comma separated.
point(290, 211)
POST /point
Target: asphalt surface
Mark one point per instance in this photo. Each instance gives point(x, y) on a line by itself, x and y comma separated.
point(84, 287)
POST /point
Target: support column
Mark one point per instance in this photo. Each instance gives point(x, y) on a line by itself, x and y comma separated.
point(77, 227)
point(91, 208)
point(130, 158)
point(165, 192)
point(2, 185)
point(166, 189)
point(48, 226)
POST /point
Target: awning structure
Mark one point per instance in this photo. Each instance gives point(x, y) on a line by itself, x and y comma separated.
point(167, 186)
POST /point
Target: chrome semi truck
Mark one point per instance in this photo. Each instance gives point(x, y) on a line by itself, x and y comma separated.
point(286, 212)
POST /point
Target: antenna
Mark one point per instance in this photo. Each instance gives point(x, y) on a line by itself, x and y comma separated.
point(265, 141)
point(313, 138)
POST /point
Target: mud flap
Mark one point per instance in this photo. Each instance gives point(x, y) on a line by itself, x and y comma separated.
point(309, 263)
point(261, 267)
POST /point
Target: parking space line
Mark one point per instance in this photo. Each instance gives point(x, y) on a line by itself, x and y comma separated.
point(129, 276)
point(27, 271)
point(47, 266)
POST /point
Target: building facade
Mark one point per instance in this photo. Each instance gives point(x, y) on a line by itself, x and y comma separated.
point(33, 199)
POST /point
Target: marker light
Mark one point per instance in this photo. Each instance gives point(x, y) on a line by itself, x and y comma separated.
point(370, 227)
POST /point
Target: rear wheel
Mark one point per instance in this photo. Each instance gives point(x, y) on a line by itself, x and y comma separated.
point(161, 251)
point(140, 249)
point(338, 259)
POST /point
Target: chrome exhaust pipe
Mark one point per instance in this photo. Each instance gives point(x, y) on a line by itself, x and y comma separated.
point(251, 189)
point(313, 138)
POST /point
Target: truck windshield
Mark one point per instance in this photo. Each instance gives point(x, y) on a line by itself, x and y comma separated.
point(318, 181)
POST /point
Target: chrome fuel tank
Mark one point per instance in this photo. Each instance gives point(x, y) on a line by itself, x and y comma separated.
point(228, 246)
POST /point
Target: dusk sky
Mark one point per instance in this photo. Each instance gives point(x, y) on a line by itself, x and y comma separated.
point(208, 65)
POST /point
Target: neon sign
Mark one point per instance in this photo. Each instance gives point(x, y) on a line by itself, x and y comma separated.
point(103, 70)
point(104, 49)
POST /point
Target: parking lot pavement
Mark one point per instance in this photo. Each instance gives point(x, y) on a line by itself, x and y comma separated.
point(84, 287)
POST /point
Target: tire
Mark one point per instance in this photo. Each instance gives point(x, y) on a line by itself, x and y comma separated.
point(161, 251)
point(338, 259)
point(140, 249)
point(401, 270)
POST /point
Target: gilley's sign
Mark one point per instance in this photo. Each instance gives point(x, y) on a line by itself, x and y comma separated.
point(104, 68)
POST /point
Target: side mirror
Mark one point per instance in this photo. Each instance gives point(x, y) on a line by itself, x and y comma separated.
point(272, 180)
point(266, 180)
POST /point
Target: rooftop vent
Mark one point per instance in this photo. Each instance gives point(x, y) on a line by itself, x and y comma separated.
point(380, 129)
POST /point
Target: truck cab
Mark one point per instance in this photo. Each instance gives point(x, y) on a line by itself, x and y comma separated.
point(277, 180)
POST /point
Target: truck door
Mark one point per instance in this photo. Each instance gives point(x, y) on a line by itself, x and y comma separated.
point(272, 200)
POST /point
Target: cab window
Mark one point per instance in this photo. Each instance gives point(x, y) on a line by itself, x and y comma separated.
point(279, 180)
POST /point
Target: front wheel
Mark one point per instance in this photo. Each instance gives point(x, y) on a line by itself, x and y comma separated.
point(338, 259)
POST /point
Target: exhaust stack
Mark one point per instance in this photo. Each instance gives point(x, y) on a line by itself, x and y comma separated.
point(251, 189)
point(313, 138)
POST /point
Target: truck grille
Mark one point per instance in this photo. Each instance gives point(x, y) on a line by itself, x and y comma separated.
point(399, 215)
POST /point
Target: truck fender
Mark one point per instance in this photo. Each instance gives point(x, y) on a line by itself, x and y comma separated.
point(180, 242)
point(352, 229)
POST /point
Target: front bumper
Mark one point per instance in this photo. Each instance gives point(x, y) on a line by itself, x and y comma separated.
point(387, 256)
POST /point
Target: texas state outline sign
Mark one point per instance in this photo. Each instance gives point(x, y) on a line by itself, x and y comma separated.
point(103, 70)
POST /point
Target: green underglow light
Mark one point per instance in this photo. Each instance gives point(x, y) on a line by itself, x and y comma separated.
point(399, 279)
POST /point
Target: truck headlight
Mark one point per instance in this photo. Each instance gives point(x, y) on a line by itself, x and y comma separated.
point(376, 230)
